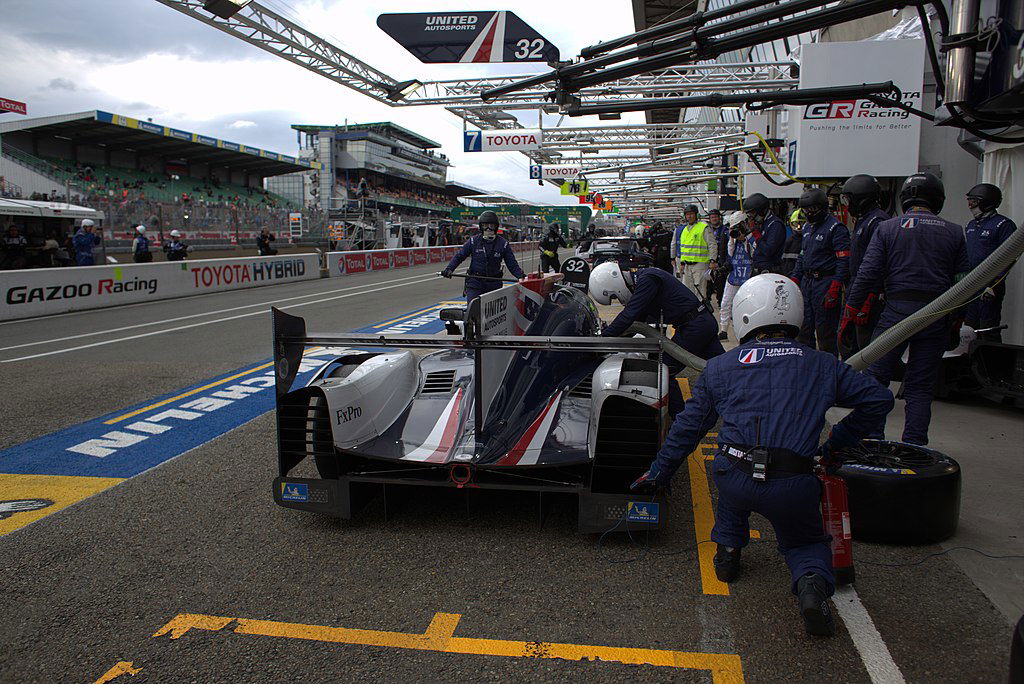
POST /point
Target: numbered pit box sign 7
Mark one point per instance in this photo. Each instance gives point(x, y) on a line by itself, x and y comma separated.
point(515, 140)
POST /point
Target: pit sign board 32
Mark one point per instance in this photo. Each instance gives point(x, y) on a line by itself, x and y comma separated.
point(512, 140)
point(453, 37)
point(542, 172)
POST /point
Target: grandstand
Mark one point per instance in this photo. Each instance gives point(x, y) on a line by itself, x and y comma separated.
point(140, 172)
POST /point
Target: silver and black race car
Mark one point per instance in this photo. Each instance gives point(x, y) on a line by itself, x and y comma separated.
point(527, 398)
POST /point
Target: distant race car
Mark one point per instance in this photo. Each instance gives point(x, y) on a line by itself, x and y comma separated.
point(626, 251)
point(528, 398)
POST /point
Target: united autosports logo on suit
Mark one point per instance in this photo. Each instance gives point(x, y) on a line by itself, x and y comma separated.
point(751, 356)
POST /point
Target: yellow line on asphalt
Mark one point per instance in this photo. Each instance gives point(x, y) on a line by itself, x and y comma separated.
point(122, 668)
point(197, 390)
point(417, 313)
point(439, 637)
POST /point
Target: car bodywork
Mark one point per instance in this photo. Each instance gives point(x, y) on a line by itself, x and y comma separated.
point(625, 251)
point(527, 398)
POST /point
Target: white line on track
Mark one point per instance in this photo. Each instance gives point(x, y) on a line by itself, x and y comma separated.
point(216, 320)
point(866, 639)
point(206, 313)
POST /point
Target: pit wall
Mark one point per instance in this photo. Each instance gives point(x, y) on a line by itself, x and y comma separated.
point(44, 291)
point(344, 263)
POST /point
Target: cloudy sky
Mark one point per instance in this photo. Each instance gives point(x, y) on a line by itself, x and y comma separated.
point(143, 59)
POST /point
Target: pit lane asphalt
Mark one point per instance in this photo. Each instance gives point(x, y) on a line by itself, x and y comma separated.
point(87, 587)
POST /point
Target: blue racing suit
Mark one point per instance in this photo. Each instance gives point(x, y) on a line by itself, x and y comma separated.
point(913, 259)
point(659, 297)
point(774, 393)
point(863, 229)
point(771, 244)
point(84, 242)
point(485, 260)
point(983, 235)
point(822, 269)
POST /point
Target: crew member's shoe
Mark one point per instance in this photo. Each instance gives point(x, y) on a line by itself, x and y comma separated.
point(727, 563)
point(812, 593)
point(723, 335)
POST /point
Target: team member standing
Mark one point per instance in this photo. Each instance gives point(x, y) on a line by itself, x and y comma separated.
point(986, 231)
point(654, 296)
point(821, 270)
point(661, 247)
point(769, 232)
point(740, 251)
point(716, 284)
point(486, 252)
point(697, 251)
point(263, 241)
point(84, 240)
point(15, 250)
point(794, 243)
point(772, 394)
point(548, 247)
point(861, 194)
point(176, 249)
point(140, 246)
point(913, 258)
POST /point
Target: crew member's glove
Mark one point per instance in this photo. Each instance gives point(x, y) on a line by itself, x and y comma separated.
point(849, 316)
point(841, 437)
point(864, 315)
point(834, 294)
point(795, 280)
point(651, 483)
point(446, 273)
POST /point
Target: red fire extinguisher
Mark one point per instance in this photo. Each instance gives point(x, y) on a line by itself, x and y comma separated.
point(835, 510)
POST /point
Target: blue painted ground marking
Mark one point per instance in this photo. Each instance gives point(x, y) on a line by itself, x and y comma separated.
point(134, 439)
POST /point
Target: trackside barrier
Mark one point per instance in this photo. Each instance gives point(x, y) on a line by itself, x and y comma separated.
point(344, 263)
point(43, 291)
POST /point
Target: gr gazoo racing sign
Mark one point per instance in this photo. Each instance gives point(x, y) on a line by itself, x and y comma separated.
point(513, 140)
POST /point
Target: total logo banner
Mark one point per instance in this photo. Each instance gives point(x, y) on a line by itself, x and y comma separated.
point(345, 263)
point(43, 291)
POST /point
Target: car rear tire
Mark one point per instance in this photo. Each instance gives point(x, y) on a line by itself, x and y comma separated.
point(901, 493)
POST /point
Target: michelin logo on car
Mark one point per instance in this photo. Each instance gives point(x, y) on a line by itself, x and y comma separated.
point(642, 511)
point(294, 491)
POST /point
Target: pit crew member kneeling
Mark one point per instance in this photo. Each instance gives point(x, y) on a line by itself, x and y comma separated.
point(652, 295)
point(772, 394)
point(486, 251)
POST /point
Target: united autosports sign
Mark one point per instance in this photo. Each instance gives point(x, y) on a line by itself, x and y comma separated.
point(451, 37)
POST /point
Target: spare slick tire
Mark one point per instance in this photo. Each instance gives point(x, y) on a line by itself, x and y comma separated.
point(900, 493)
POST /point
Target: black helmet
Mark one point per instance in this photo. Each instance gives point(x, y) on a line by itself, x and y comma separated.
point(715, 212)
point(814, 203)
point(987, 195)
point(657, 226)
point(861, 193)
point(488, 217)
point(756, 203)
point(689, 208)
point(922, 189)
point(555, 228)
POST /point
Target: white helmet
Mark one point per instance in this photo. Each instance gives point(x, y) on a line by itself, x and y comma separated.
point(86, 223)
point(767, 300)
point(608, 281)
point(735, 218)
point(140, 229)
point(175, 233)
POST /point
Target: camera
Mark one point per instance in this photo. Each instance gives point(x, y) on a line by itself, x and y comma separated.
point(738, 226)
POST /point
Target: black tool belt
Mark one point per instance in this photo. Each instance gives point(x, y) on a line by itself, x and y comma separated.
point(689, 316)
point(762, 462)
point(818, 275)
point(912, 296)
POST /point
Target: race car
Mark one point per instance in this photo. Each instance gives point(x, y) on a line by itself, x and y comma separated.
point(625, 251)
point(528, 398)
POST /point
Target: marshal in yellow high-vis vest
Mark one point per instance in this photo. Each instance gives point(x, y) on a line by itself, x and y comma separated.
point(692, 246)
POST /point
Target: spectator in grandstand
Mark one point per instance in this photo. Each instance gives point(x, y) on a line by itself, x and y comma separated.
point(263, 241)
point(140, 246)
point(15, 250)
point(176, 248)
point(84, 240)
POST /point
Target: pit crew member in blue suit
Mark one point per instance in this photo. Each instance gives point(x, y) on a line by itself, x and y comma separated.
point(486, 252)
point(772, 394)
point(913, 258)
point(655, 296)
point(986, 231)
point(768, 230)
point(862, 195)
point(821, 270)
point(84, 240)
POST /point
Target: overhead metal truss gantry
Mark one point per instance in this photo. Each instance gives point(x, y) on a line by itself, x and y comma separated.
point(269, 31)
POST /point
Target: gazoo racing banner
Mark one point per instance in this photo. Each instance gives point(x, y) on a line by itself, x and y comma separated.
point(43, 291)
point(452, 37)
